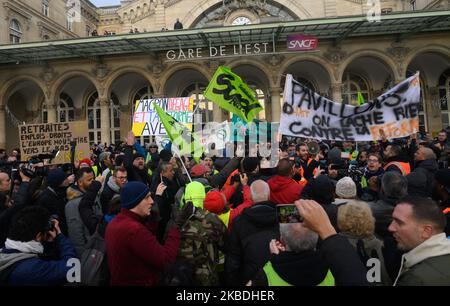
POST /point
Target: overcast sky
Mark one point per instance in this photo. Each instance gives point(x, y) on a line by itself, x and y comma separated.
point(105, 2)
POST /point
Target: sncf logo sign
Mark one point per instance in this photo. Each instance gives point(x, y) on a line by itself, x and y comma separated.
point(301, 42)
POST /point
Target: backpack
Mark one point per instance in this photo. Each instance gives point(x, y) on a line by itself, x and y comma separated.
point(94, 268)
point(201, 237)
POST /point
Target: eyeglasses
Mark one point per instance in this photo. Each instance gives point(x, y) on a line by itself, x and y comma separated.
point(121, 177)
point(372, 160)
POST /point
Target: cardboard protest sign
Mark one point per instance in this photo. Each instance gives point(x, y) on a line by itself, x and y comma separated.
point(46, 138)
point(307, 114)
point(146, 121)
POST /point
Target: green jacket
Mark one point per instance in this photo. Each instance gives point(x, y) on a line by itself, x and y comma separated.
point(426, 265)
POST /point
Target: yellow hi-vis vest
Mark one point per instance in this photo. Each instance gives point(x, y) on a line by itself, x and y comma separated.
point(225, 217)
point(273, 279)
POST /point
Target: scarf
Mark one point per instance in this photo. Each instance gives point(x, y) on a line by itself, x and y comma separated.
point(33, 246)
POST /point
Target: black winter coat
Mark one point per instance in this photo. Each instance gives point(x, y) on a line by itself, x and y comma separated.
point(248, 244)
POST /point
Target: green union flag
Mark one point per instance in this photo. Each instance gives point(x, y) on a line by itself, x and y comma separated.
point(180, 135)
point(229, 92)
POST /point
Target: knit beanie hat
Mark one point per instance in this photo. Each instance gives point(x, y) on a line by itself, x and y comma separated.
point(56, 177)
point(346, 188)
point(215, 202)
point(132, 193)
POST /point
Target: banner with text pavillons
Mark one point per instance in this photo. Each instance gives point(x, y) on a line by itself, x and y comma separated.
point(146, 121)
point(307, 114)
point(46, 138)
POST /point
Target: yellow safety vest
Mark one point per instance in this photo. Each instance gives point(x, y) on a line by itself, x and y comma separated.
point(225, 217)
point(273, 279)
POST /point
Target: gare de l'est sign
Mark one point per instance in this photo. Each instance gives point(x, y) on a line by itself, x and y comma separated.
point(297, 42)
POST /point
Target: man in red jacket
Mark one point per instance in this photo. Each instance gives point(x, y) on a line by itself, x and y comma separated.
point(283, 189)
point(135, 257)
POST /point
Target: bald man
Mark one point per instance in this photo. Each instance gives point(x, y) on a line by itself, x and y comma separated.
point(425, 162)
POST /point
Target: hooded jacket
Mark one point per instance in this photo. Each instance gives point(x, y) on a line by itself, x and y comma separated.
point(429, 168)
point(110, 189)
point(284, 190)
point(427, 264)
point(20, 269)
point(248, 244)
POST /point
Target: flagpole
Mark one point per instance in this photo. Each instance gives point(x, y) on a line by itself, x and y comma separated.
point(184, 166)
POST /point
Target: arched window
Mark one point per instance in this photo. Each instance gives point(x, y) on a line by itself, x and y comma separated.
point(94, 118)
point(114, 116)
point(423, 122)
point(44, 113)
point(351, 85)
point(306, 82)
point(261, 96)
point(94, 114)
point(65, 108)
point(444, 97)
point(15, 32)
point(201, 105)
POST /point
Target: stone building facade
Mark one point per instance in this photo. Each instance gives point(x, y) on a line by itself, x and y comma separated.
point(103, 91)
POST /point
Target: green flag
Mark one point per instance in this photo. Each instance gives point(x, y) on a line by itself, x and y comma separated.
point(180, 135)
point(229, 92)
point(360, 99)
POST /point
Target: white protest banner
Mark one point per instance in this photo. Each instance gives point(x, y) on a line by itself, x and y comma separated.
point(146, 121)
point(46, 138)
point(307, 114)
point(215, 132)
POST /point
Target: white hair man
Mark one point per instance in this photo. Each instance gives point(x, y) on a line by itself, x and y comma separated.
point(251, 233)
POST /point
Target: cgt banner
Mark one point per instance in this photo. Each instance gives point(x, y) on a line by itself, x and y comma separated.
point(146, 121)
point(307, 114)
point(50, 137)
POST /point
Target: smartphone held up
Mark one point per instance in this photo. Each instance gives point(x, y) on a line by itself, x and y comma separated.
point(288, 213)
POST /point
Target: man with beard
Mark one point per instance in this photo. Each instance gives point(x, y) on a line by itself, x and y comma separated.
point(53, 198)
point(396, 160)
point(135, 163)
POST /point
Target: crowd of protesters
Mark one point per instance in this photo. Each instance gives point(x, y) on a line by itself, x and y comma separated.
point(152, 218)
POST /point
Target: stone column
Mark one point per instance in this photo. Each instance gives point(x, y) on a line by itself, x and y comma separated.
point(2, 127)
point(52, 116)
point(336, 92)
point(275, 104)
point(105, 121)
point(125, 120)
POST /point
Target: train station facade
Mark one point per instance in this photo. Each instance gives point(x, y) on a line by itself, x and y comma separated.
point(99, 78)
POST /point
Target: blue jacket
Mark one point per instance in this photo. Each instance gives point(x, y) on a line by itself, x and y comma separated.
point(38, 272)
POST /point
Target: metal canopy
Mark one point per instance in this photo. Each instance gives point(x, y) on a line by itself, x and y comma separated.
point(402, 25)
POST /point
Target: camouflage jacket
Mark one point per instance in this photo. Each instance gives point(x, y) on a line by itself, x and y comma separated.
point(202, 236)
